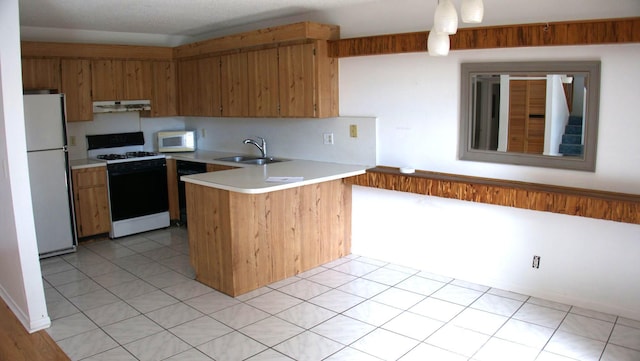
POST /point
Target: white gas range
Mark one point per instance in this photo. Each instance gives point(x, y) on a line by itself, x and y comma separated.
point(137, 182)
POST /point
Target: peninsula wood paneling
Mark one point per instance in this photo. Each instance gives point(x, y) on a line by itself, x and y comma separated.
point(603, 31)
point(240, 242)
point(611, 206)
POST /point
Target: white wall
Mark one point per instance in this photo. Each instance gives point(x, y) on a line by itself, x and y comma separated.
point(118, 123)
point(291, 138)
point(417, 102)
point(416, 98)
point(20, 282)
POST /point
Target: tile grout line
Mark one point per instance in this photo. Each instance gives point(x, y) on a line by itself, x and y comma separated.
point(379, 266)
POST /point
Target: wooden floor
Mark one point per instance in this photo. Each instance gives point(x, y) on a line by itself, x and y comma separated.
point(16, 344)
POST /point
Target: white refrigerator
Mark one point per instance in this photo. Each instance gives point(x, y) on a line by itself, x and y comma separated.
point(49, 174)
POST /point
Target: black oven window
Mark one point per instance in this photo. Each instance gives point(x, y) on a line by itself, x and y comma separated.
point(138, 192)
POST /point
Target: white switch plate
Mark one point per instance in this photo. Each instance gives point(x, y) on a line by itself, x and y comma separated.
point(328, 138)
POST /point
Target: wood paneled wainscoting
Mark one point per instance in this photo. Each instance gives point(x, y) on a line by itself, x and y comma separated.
point(619, 207)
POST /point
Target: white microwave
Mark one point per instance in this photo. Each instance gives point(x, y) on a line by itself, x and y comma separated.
point(177, 141)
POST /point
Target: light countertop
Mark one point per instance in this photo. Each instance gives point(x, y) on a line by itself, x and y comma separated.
point(86, 163)
point(254, 179)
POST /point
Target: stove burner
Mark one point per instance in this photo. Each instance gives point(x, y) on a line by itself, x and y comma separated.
point(127, 155)
point(112, 156)
point(140, 154)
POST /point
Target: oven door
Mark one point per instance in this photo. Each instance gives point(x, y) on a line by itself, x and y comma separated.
point(137, 188)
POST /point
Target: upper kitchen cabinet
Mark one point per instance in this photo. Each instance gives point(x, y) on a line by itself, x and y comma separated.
point(164, 95)
point(264, 100)
point(121, 79)
point(234, 85)
point(107, 80)
point(75, 75)
point(138, 79)
point(199, 87)
point(308, 81)
point(38, 74)
point(284, 71)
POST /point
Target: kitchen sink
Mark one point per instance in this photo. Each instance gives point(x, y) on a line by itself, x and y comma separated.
point(251, 160)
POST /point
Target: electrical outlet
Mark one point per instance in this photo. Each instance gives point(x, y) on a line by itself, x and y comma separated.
point(536, 262)
point(203, 134)
point(353, 131)
point(327, 138)
point(72, 140)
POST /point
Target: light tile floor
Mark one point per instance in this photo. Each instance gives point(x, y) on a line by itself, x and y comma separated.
point(135, 299)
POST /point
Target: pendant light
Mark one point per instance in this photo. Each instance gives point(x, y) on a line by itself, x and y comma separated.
point(472, 11)
point(438, 43)
point(445, 23)
point(445, 19)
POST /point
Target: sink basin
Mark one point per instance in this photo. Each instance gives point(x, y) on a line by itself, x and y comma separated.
point(250, 160)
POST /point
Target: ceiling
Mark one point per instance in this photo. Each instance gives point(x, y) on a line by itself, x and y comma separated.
point(168, 17)
point(177, 22)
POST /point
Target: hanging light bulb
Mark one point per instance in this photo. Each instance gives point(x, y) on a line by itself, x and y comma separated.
point(438, 43)
point(445, 19)
point(472, 11)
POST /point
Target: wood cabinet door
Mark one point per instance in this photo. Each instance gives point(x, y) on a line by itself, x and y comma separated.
point(75, 79)
point(172, 189)
point(107, 79)
point(137, 81)
point(188, 87)
point(164, 92)
point(263, 83)
point(91, 201)
point(199, 87)
point(234, 90)
point(40, 74)
point(209, 99)
point(296, 68)
point(218, 167)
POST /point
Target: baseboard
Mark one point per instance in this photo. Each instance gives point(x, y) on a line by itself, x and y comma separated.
point(30, 325)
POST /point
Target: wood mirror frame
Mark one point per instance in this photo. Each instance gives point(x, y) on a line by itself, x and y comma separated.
point(590, 70)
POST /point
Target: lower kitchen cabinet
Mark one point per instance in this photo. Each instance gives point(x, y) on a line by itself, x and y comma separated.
point(175, 169)
point(91, 201)
point(218, 167)
point(172, 188)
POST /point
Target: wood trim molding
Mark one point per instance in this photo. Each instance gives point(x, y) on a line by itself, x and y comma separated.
point(273, 35)
point(619, 207)
point(94, 51)
point(586, 32)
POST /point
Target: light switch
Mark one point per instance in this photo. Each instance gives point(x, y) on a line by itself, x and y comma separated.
point(72, 140)
point(353, 131)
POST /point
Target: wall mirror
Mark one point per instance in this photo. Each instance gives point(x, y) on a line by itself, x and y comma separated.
point(542, 114)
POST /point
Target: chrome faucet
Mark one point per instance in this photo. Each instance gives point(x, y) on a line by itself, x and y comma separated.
point(262, 147)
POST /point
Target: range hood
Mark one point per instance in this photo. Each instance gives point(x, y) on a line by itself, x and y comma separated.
point(119, 106)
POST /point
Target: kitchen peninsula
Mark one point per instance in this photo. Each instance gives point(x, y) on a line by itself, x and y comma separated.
point(247, 229)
